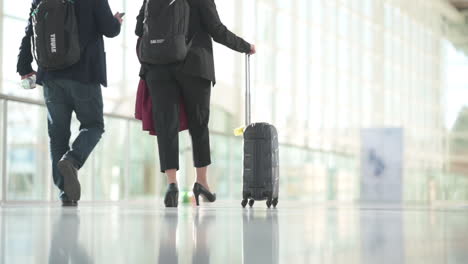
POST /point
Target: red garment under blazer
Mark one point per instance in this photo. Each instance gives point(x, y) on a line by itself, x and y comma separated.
point(144, 109)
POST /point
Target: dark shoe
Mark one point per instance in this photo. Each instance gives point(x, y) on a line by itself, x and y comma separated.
point(200, 189)
point(172, 196)
point(68, 203)
point(71, 185)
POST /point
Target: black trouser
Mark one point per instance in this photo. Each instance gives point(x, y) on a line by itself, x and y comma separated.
point(167, 86)
point(63, 97)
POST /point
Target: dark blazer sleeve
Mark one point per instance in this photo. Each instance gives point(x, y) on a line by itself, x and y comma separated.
point(139, 33)
point(25, 57)
point(218, 31)
point(140, 18)
point(106, 23)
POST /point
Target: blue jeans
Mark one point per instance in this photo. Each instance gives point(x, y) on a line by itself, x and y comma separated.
point(62, 98)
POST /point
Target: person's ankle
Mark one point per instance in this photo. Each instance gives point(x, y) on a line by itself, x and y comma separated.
point(201, 180)
point(203, 183)
point(172, 182)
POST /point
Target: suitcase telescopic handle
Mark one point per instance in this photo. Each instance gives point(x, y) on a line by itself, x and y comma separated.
point(247, 91)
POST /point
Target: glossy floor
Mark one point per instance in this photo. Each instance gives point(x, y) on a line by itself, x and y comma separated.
point(224, 233)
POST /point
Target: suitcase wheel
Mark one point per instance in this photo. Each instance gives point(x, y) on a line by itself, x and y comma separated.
point(251, 202)
point(275, 202)
point(268, 203)
point(244, 203)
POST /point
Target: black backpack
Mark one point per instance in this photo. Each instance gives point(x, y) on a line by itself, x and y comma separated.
point(165, 31)
point(56, 39)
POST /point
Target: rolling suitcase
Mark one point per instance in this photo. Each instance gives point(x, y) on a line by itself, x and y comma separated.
point(261, 157)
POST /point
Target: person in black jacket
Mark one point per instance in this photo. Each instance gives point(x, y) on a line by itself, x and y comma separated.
point(190, 80)
point(74, 89)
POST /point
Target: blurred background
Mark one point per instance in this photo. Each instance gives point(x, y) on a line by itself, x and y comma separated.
point(326, 70)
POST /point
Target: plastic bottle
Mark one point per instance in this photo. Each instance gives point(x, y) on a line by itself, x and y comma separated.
point(29, 83)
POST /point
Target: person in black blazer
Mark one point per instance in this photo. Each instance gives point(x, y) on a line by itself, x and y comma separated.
point(95, 20)
point(74, 89)
point(190, 80)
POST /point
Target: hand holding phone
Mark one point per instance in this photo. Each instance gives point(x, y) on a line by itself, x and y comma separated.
point(119, 17)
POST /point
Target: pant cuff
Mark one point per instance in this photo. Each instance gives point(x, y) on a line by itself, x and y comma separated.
point(202, 164)
point(164, 170)
point(73, 160)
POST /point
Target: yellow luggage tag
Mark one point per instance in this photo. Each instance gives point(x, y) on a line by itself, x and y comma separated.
point(239, 131)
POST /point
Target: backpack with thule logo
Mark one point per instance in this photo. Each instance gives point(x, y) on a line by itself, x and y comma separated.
point(165, 30)
point(56, 40)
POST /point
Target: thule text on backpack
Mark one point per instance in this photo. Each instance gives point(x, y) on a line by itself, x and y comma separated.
point(157, 41)
point(165, 32)
point(56, 40)
point(53, 43)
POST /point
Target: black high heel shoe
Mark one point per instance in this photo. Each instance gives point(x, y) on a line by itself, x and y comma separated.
point(199, 189)
point(172, 196)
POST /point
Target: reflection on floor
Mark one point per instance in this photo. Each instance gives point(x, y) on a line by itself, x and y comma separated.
point(224, 233)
